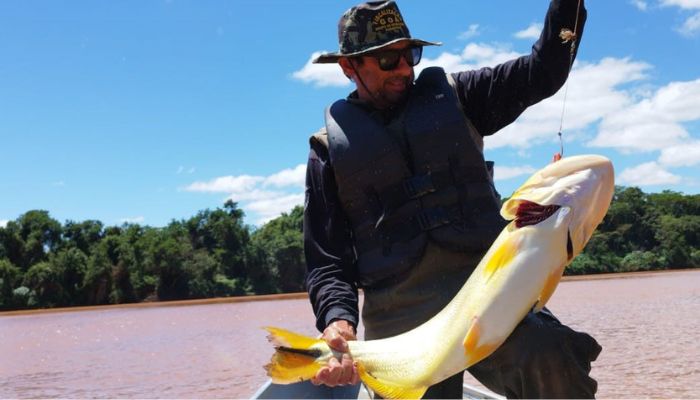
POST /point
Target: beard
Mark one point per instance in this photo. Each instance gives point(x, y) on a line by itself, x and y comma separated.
point(395, 89)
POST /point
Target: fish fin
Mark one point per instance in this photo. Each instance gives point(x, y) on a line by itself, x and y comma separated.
point(548, 290)
point(472, 337)
point(472, 349)
point(389, 390)
point(295, 358)
point(501, 257)
point(284, 338)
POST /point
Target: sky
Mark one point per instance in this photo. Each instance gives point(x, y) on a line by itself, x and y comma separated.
point(148, 111)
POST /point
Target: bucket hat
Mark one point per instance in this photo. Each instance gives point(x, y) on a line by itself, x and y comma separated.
point(368, 27)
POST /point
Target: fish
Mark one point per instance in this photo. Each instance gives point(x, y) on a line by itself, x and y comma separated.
point(551, 218)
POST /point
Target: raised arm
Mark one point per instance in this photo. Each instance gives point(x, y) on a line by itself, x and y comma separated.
point(494, 97)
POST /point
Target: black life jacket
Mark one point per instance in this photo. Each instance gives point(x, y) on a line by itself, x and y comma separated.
point(444, 192)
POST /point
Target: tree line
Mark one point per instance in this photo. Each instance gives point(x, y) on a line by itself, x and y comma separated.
point(643, 232)
point(212, 254)
point(44, 263)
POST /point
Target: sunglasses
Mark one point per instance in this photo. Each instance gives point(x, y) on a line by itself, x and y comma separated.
point(390, 59)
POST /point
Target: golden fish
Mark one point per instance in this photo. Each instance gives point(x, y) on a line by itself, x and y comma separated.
point(553, 215)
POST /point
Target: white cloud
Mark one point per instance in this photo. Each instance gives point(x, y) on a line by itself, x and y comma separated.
point(680, 100)
point(683, 155)
point(271, 208)
point(289, 177)
point(254, 194)
point(321, 75)
point(484, 55)
point(58, 184)
point(647, 133)
point(226, 184)
point(593, 94)
point(471, 32)
point(531, 32)
point(3, 223)
point(450, 62)
point(691, 26)
point(640, 4)
point(647, 174)
point(132, 220)
point(182, 170)
point(685, 4)
point(629, 120)
point(503, 173)
point(473, 56)
point(652, 123)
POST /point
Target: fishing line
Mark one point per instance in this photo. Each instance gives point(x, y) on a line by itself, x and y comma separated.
point(568, 36)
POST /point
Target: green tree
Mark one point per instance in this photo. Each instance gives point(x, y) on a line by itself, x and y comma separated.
point(583, 264)
point(13, 244)
point(284, 265)
point(3, 250)
point(695, 258)
point(677, 237)
point(44, 279)
point(639, 261)
point(675, 203)
point(122, 289)
point(167, 258)
point(30, 238)
point(71, 265)
point(23, 297)
point(40, 235)
point(83, 235)
point(631, 215)
point(10, 279)
point(226, 239)
point(133, 255)
point(97, 284)
point(203, 271)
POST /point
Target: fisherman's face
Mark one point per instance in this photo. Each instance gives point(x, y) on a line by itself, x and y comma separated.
point(382, 88)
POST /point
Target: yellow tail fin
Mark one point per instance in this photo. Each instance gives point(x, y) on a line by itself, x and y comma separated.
point(295, 358)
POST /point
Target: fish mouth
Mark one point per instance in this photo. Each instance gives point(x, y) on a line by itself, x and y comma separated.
point(530, 213)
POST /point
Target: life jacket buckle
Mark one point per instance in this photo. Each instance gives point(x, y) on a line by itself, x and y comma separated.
point(432, 218)
point(419, 185)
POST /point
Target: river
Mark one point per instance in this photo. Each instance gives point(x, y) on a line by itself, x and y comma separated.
point(647, 324)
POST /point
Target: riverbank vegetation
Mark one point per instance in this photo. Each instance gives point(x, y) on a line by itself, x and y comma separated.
point(44, 263)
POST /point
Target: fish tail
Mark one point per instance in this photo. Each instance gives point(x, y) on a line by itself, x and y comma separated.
point(296, 358)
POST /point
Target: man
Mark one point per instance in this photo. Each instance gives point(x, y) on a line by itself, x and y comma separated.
point(400, 201)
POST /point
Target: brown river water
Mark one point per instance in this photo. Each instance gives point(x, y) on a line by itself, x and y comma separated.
point(647, 324)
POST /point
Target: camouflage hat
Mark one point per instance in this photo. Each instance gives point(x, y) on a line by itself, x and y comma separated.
point(368, 27)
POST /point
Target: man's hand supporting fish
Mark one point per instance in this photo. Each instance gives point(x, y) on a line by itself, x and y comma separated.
point(338, 371)
point(553, 215)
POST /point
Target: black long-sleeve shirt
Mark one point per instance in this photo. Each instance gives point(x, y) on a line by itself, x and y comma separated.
point(491, 99)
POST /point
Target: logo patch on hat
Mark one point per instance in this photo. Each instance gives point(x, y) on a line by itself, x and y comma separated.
point(368, 27)
point(388, 20)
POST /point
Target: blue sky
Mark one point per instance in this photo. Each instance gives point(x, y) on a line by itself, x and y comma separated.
point(147, 111)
